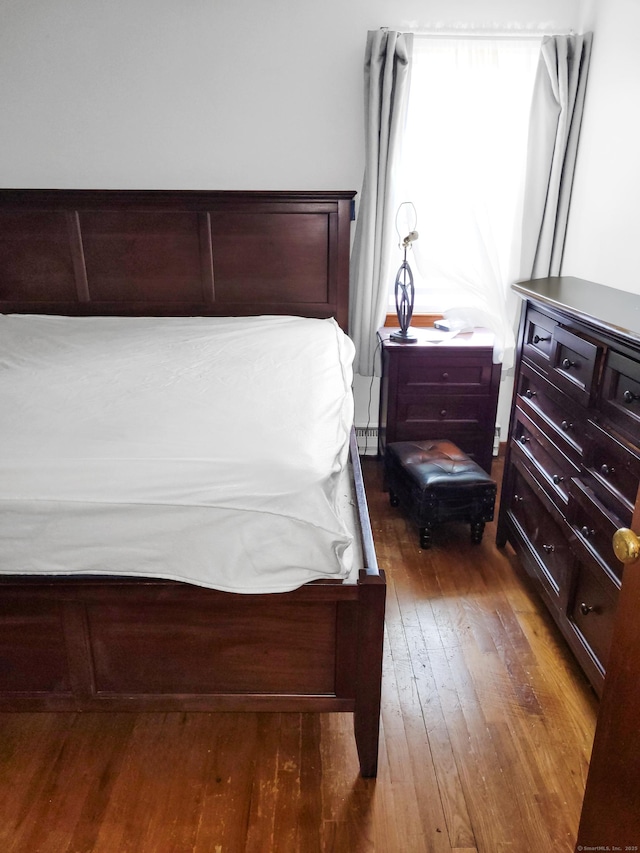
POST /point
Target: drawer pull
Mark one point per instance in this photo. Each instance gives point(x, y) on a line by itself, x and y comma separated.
point(568, 364)
point(445, 376)
point(538, 340)
point(517, 499)
point(586, 609)
point(607, 469)
point(524, 439)
point(587, 531)
point(548, 549)
point(529, 393)
point(566, 426)
point(629, 396)
point(443, 413)
point(557, 479)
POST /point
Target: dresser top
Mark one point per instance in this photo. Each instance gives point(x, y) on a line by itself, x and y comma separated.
point(615, 310)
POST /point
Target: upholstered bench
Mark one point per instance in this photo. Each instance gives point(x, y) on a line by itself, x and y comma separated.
point(434, 482)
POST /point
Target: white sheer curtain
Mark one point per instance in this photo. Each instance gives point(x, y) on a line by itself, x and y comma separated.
point(464, 157)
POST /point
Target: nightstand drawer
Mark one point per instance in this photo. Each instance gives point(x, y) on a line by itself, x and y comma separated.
point(466, 438)
point(441, 409)
point(457, 376)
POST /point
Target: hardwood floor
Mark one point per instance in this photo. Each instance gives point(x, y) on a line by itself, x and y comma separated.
point(487, 726)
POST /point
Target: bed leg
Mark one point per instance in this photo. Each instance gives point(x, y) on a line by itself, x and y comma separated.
point(370, 644)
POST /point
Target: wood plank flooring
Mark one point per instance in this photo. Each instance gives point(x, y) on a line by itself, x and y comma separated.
point(486, 732)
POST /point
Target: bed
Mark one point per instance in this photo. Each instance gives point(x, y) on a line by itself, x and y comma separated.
point(126, 626)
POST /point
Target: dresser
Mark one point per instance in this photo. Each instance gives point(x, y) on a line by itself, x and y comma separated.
point(440, 387)
point(572, 466)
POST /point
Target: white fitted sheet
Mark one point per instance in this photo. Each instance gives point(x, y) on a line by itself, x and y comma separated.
point(207, 450)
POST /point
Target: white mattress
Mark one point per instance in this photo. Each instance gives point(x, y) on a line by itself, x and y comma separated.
point(207, 450)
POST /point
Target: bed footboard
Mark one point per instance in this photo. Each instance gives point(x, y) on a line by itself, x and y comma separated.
point(120, 644)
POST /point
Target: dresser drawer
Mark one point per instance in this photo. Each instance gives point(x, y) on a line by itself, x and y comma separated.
point(538, 338)
point(573, 364)
point(620, 398)
point(613, 468)
point(593, 609)
point(594, 526)
point(556, 469)
point(546, 538)
point(564, 420)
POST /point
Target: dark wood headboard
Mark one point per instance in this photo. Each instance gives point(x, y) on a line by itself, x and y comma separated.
point(182, 253)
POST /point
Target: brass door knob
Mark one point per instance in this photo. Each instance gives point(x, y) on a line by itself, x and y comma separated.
point(626, 545)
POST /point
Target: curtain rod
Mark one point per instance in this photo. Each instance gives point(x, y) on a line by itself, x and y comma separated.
point(465, 34)
point(479, 34)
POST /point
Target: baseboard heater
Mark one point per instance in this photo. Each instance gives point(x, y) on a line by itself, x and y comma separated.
point(367, 438)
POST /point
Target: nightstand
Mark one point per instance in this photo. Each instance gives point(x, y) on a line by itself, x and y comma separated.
point(440, 388)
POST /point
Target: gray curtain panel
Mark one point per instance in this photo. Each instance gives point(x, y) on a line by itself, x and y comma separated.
point(556, 115)
point(387, 70)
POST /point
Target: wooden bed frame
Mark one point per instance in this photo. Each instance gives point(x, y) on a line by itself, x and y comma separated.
point(126, 644)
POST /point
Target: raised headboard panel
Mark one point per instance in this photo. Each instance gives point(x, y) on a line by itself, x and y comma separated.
point(170, 252)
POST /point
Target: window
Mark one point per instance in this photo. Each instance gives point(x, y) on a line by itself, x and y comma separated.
point(463, 163)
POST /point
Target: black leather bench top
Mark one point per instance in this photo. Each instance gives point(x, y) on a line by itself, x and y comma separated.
point(438, 463)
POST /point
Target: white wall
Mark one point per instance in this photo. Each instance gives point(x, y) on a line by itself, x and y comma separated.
point(209, 94)
point(604, 223)
point(204, 94)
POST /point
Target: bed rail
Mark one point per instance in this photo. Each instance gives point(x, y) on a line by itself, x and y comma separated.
point(368, 549)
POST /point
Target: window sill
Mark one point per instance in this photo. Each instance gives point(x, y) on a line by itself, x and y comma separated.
point(418, 321)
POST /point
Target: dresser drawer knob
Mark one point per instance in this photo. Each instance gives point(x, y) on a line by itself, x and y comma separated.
point(443, 413)
point(586, 609)
point(548, 549)
point(517, 499)
point(445, 376)
point(629, 396)
point(557, 479)
point(524, 439)
point(566, 426)
point(607, 469)
point(538, 340)
point(568, 364)
point(529, 393)
point(587, 531)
